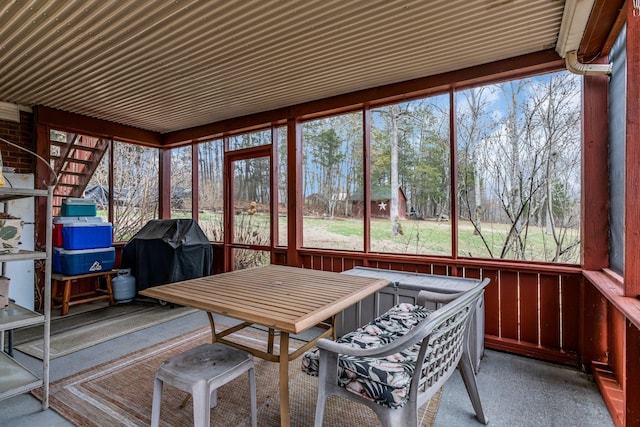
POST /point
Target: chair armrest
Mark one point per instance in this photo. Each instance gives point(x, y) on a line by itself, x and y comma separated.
point(384, 350)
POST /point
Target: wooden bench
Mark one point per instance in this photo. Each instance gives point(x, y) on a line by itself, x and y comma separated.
point(68, 299)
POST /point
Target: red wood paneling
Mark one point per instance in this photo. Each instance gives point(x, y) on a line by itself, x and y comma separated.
point(632, 381)
point(570, 313)
point(511, 301)
point(632, 157)
point(529, 307)
point(509, 305)
point(491, 303)
point(616, 344)
point(595, 184)
point(549, 310)
point(440, 269)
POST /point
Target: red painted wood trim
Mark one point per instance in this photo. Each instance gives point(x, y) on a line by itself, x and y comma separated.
point(195, 182)
point(294, 191)
point(611, 392)
point(530, 350)
point(111, 214)
point(570, 314)
point(602, 21)
point(549, 310)
point(227, 185)
point(509, 320)
point(275, 166)
point(453, 171)
point(503, 265)
point(632, 171)
point(78, 123)
point(593, 328)
point(632, 376)
point(366, 147)
point(595, 173)
point(164, 184)
point(612, 291)
point(529, 308)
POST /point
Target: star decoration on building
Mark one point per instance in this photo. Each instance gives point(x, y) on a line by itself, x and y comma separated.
point(382, 206)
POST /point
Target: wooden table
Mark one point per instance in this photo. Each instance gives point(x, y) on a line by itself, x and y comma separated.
point(68, 299)
point(286, 299)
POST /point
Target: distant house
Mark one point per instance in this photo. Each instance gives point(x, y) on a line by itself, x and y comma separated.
point(380, 202)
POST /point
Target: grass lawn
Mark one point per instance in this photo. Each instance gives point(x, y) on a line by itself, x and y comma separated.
point(419, 237)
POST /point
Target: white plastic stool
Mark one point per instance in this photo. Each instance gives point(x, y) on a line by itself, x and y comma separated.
point(200, 371)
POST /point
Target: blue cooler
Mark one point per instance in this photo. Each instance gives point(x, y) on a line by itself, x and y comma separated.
point(83, 261)
point(85, 232)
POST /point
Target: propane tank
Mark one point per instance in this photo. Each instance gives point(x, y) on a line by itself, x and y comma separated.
point(124, 286)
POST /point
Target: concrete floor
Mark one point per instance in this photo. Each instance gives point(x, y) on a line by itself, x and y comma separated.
point(515, 391)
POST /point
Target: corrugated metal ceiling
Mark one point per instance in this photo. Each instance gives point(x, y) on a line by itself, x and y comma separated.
point(169, 65)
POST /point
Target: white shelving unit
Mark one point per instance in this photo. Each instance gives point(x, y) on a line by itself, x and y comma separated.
point(17, 379)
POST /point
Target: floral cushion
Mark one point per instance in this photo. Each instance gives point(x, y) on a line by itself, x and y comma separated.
point(383, 380)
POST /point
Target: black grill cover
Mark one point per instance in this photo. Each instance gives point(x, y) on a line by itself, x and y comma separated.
point(167, 251)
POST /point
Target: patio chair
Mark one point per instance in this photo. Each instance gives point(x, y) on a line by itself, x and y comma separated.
point(394, 368)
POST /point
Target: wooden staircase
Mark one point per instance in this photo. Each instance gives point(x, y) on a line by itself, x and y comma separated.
point(75, 161)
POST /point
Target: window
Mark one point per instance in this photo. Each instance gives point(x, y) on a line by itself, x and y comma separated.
point(411, 178)
point(135, 188)
point(519, 153)
point(332, 174)
point(253, 139)
point(211, 190)
point(181, 174)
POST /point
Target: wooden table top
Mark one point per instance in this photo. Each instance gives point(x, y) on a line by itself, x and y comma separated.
point(289, 299)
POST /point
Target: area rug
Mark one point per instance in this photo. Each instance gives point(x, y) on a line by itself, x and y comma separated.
point(87, 334)
point(119, 393)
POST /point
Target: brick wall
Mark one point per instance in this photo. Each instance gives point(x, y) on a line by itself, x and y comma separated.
point(22, 134)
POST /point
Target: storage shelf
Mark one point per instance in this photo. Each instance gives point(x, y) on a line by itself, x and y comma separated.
point(22, 255)
point(15, 316)
point(16, 379)
point(7, 194)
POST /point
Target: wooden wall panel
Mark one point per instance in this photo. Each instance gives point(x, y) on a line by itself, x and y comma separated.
point(632, 380)
point(549, 311)
point(570, 315)
point(616, 344)
point(492, 303)
point(522, 308)
point(509, 305)
point(528, 290)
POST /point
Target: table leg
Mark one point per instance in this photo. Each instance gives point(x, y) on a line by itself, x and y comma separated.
point(110, 290)
point(213, 327)
point(66, 296)
point(284, 379)
point(270, 341)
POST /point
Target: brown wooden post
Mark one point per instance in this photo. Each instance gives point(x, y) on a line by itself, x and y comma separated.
point(453, 161)
point(366, 150)
point(632, 171)
point(595, 173)
point(632, 380)
point(164, 184)
point(273, 185)
point(592, 343)
point(195, 181)
point(295, 200)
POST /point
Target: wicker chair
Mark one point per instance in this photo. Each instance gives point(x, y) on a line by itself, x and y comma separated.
point(402, 371)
